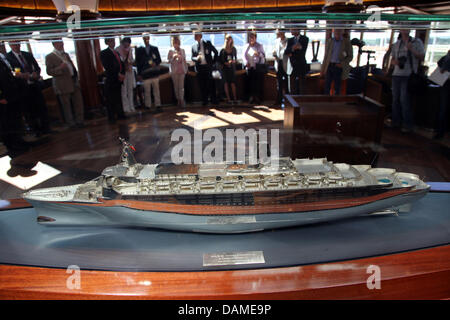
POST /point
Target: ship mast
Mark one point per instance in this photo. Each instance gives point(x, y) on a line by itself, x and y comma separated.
point(127, 156)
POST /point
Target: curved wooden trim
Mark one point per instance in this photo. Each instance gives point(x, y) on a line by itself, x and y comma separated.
point(234, 210)
point(421, 274)
point(14, 204)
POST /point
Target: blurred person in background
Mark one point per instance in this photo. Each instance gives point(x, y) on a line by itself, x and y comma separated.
point(407, 53)
point(129, 83)
point(228, 58)
point(66, 84)
point(148, 60)
point(441, 127)
point(178, 68)
point(11, 126)
point(255, 62)
point(202, 55)
point(115, 74)
point(336, 62)
point(33, 103)
point(282, 66)
point(296, 50)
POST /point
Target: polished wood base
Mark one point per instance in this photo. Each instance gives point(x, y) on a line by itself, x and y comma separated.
point(421, 274)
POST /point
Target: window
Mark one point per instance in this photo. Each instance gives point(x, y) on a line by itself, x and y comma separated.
point(315, 36)
point(378, 42)
point(438, 46)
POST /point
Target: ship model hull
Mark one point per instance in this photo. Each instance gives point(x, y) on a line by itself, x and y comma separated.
point(217, 218)
point(225, 198)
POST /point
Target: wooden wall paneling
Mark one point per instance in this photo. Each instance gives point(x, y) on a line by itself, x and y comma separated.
point(104, 5)
point(161, 5)
point(45, 5)
point(195, 5)
point(129, 5)
point(23, 4)
point(98, 63)
point(228, 4)
point(421, 274)
point(87, 73)
point(270, 87)
point(260, 3)
point(51, 101)
point(293, 3)
point(316, 2)
point(166, 89)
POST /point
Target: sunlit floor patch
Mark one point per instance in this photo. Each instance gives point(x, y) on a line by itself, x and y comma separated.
point(235, 118)
point(271, 114)
point(200, 121)
point(44, 172)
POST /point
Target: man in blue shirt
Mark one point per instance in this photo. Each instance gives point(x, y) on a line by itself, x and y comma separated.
point(336, 63)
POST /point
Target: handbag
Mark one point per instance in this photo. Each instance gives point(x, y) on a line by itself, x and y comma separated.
point(262, 67)
point(216, 75)
point(417, 81)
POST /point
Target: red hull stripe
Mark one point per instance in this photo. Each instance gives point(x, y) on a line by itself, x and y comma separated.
point(233, 210)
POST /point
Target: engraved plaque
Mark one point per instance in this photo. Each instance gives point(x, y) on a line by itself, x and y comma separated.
point(230, 220)
point(232, 258)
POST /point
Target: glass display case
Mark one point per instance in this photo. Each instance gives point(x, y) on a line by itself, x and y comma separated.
point(346, 135)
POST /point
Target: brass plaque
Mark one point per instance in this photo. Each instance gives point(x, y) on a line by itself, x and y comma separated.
point(232, 258)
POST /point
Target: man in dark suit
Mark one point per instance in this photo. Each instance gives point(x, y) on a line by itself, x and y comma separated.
point(202, 56)
point(296, 50)
point(10, 115)
point(33, 102)
point(115, 73)
point(147, 63)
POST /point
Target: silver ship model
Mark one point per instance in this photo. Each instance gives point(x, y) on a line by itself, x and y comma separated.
point(225, 197)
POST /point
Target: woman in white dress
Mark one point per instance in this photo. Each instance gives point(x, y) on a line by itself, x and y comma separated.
point(129, 83)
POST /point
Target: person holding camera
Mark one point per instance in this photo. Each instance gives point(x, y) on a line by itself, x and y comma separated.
point(407, 53)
